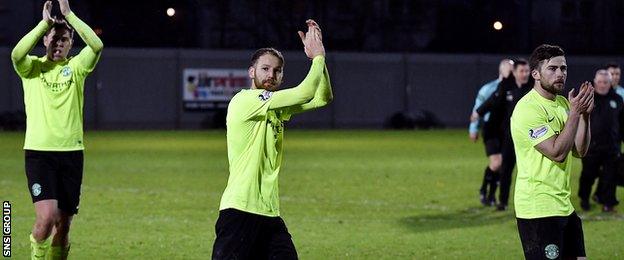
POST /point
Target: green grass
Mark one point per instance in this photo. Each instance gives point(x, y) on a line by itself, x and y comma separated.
point(344, 195)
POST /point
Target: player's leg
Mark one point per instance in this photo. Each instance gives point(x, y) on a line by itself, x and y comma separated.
point(496, 161)
point(490, 175)
point(574, 240)
point(509, 162)
point(47, 214)
point(42, 183)
point(542, 238)
point(588, 175)
point(69, 186)
point(237, 234)
point(59, 248)
point(487, 176)
point(281, 245)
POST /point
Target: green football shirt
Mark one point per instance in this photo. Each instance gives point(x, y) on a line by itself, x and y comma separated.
point(54, 91)
point(542, 185)
point(255, 130)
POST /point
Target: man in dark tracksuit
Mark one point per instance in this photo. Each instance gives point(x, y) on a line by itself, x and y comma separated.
point(492, 136)
point(604, 149)
point(509, 91)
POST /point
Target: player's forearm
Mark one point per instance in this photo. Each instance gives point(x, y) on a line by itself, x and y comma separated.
point(323, 94)
point(474, 125)
point(28, 42)
point(583, 136)
point(304, 92)
point(86, 33)
point(473, 128)
point(565, 141)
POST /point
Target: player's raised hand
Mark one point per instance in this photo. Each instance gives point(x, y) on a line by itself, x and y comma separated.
point(47, 9)
point(579, 102)
point(64, 5)
point(317, 29)
point(574, 98)
point(312, 40)
point(587, 100)
point(590, 100)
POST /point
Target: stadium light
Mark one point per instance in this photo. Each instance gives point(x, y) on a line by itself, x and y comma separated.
point(498, 25)
point(170, 12)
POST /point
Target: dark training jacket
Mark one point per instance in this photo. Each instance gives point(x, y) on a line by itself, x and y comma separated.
point(503, 101)
point(606, 124)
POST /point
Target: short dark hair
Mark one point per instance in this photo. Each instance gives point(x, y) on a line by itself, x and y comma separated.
point(262, 51)
point(61, 24)
point(519, 61)
point(544, 52)
point(612, 65)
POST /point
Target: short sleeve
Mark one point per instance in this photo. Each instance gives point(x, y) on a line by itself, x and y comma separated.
point(531, 123)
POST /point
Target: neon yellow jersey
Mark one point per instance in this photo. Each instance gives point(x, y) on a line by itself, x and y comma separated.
point(54, 99)
point(542, 185)
point(254, 140)
point(54, 91)
point(255, 130)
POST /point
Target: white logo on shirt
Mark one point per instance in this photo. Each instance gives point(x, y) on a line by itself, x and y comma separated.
point(265, 95)
point(538, 132)
point(66, 71)
point(613, 104)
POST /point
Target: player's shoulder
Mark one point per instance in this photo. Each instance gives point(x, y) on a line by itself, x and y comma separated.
point(487, 87)
point(528, 100)
point(528, 105)
point(36, 60)
point(491, 84)
point(245, 94)
point(249, 96)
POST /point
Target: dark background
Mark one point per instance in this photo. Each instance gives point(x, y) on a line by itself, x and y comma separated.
point(418, 58)
point(448, 26)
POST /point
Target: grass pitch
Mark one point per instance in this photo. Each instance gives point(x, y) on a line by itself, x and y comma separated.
point(344, 195)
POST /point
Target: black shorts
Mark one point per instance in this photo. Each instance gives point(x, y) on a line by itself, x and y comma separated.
point(243, 235)
point(552, 237)
point(492, 146)
point(55, 175)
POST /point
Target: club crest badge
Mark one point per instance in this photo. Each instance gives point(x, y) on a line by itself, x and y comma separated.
point(551, 251)
point(66, 72)
point(265, 95)
point(36, 189)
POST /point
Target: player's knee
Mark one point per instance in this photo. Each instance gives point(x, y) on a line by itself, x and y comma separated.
point(46, 219)
point(495, 167)
point(495, 164)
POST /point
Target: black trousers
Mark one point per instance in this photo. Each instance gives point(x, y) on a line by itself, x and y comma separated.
point(603, 167)
point(507, 167)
